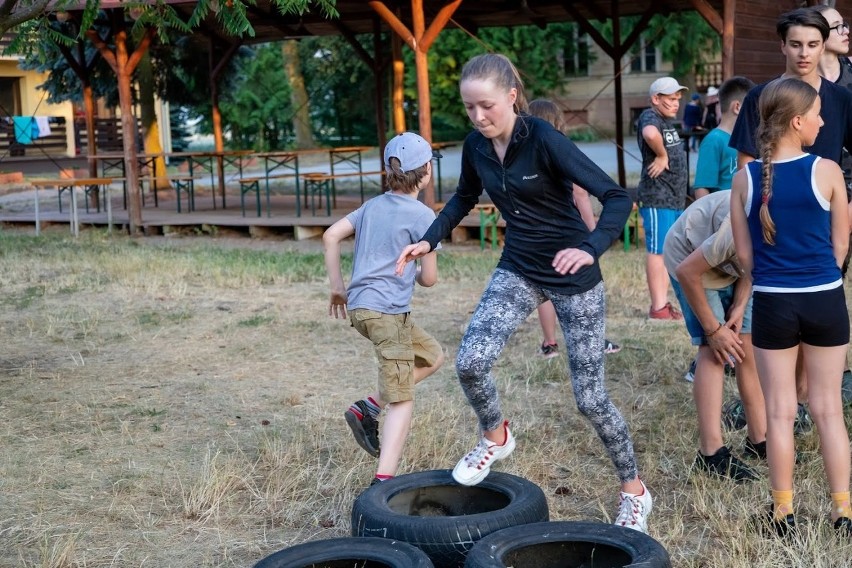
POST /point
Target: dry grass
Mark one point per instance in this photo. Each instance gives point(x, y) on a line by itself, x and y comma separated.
point(178, 403)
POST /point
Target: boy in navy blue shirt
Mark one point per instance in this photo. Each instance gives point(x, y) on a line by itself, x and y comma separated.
point(803, 33)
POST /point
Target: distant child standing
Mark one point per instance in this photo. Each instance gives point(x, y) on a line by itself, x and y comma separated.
point(718, 161)
point(711, 117)
point(791, 232)
point(662, 187)
point(549, 111)
point(379, 300)
point(692, 120)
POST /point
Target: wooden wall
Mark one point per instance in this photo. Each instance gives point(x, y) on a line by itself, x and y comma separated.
point(757, 48)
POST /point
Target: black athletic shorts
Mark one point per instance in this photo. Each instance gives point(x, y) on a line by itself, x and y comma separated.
point(783, 320)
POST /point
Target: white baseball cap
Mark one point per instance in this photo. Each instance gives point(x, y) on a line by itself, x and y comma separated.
point(666, 86)
point(411, 150)
point(711, 91)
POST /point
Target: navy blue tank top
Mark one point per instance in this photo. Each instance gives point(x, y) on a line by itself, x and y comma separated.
point(802, 258)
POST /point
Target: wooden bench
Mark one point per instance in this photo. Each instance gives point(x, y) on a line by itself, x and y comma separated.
point(181, 182)
point(248, 184)
point(489, 215)
point(318, 183)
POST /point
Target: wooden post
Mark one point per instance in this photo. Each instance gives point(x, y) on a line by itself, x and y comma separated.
point(419, 41)
point(728, 10)
point(398, 94)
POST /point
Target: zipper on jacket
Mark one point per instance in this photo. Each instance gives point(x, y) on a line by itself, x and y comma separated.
point(502, 178)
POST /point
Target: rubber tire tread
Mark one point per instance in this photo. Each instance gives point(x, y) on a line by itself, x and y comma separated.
point(644, 551)
point(446, 539)
point(392, 553)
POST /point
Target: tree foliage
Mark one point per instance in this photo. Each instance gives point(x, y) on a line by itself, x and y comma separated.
point(257, 112)
point(684, 38)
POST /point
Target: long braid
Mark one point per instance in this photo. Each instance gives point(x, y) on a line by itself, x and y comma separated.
point(766, 222)
point(780, 102)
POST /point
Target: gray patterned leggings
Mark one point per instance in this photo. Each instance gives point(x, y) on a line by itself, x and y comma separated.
point(506, 303)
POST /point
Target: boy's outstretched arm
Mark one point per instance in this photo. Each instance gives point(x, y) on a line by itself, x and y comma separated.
point(331, 242)
point(427, 272)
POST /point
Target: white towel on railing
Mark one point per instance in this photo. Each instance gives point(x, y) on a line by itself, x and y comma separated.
point(43, 126)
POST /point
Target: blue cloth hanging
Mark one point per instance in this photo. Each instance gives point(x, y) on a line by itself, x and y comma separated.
point(26, 128)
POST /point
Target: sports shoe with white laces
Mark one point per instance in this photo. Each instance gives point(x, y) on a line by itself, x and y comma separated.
point(474, 467)
point(633, 510)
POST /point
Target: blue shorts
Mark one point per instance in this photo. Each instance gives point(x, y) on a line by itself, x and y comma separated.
point(657, 223)
point(720, 302)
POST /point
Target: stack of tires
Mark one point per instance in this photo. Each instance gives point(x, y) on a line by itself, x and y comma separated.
point(502, 521)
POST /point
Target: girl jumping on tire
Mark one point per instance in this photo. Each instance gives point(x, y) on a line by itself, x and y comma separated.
point(528, 168)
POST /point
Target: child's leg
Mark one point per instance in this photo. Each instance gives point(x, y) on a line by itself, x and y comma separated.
point(395, 429)
point(777, 371)
point(547, 319)
point(751, 394)
point(825, 370)
point(581, 317)
point(506, 303)
point(707, 391)
point(423, 366)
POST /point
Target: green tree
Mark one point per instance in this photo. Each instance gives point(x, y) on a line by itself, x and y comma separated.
point(341, 88)
point(257, 113)
point(535, 51)
point(684, 38)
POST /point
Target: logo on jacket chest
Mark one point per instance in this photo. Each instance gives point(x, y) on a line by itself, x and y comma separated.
point(534, 176)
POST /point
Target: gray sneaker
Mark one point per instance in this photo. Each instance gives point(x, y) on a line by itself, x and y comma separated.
point(365, 429)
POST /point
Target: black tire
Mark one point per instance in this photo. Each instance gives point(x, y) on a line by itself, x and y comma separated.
point(568, 544)
point(443, 518)
point(348, 552)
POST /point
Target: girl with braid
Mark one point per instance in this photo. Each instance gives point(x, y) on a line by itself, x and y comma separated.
point(528, 169)
point(791, 232)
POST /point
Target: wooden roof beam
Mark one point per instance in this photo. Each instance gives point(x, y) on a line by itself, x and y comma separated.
point(349, 36)
point(587, 27)
point(709, 13)
point(275, 20)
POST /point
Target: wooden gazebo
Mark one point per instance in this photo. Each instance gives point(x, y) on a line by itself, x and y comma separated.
point(747, 29)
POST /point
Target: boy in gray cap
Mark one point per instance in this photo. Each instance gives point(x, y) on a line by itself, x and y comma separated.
point(662, 186)
point(379, 300)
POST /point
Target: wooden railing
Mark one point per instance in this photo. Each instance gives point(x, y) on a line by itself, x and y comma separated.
point(55, 144)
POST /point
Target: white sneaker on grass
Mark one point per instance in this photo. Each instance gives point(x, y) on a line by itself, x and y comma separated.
point(474, 467)
point(633, 510)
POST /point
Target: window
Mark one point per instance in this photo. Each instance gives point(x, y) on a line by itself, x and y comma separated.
point(575, 54)
point(9, 96)
point(643, 57)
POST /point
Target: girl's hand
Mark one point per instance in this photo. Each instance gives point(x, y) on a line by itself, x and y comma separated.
point(409, 253)
point(570, 260)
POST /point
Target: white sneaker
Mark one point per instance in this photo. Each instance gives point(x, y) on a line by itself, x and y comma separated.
point(474, 467)
point(633, 510)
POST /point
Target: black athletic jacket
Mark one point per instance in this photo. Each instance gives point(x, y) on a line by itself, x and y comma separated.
point(532, 189)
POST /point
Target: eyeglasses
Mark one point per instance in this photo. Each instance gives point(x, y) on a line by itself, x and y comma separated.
point(840, 28)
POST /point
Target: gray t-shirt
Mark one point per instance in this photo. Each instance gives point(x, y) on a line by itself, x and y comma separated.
point(668, 190)
point(385, 225)
point(706, 224)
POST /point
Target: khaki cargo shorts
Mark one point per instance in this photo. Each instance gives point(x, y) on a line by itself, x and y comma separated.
point(400, 347)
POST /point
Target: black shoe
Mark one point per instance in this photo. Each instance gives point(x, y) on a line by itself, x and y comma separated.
point(782, 528)
point(752, 450)
point(803, 421)
point(724, 464)
point(843, 526)
point(375, 481)
point(365, 429)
